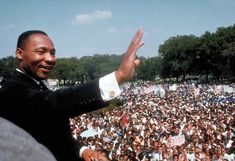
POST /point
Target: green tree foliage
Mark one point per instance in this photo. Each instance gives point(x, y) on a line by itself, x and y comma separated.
point(7, 65)
point(177, 55)
point(212, 54)
point(149, 69)
point(67, 70)
point(99, 65)
point(226, 40)
point(205, 53)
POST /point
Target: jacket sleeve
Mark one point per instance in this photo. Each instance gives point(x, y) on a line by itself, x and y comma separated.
point(76, 100)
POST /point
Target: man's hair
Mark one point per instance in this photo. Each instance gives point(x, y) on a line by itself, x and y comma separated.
point(23, 36)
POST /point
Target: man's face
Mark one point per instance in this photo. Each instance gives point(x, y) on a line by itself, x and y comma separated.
point(37, 56)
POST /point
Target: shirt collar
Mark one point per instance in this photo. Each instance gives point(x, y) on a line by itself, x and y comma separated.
point(17, 69)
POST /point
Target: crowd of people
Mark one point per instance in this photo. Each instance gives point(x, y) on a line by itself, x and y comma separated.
point(187, 123)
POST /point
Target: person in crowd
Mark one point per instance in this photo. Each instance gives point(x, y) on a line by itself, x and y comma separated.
point(45, 114)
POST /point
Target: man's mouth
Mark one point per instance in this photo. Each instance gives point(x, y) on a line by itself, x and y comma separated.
point(46, 68)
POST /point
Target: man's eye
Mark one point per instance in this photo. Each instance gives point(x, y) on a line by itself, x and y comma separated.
point(53, 52)
point(40, 51)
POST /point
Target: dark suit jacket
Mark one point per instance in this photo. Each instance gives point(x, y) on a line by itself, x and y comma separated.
point(45, 114)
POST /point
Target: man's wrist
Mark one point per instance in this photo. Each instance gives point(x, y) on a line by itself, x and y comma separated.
point(118, 77)
point(109, 87)
point(82, 150)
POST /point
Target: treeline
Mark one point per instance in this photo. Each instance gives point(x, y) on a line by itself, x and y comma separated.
point(210, 56)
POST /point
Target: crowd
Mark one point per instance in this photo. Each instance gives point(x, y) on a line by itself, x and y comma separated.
point(186, 123)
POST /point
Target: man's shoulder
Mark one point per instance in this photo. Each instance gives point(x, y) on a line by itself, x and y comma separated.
point(17, 144)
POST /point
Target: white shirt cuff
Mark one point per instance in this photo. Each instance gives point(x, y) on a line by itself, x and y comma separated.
point(109, 87)
point(81, 150)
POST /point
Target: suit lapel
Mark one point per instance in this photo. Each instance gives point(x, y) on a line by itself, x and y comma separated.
point(20, 77)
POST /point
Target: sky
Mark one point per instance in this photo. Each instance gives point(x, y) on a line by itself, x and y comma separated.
point(86, 27)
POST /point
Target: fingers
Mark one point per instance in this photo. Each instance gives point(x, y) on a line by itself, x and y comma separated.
point(138, 39)
point(94, 159)
point(136, 62)
point(136, 43)
point(138, 36)
point(97, 156)
point(99, 159)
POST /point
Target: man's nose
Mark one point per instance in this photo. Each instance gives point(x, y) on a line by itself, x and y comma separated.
point(50, 57)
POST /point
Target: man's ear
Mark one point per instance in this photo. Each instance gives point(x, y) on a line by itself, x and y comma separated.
point(19, 53)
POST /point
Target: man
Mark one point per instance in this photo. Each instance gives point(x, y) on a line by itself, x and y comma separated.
point(44, 113)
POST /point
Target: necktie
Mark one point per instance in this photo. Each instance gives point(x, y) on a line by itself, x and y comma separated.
point(42, 86)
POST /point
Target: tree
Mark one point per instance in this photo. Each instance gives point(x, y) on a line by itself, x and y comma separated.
point(150, 68)
point(7, 66)
point(176, 54)
point(67, 70)
point(226, 39)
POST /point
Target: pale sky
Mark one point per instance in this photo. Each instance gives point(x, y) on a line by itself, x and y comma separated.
point(86, 27)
